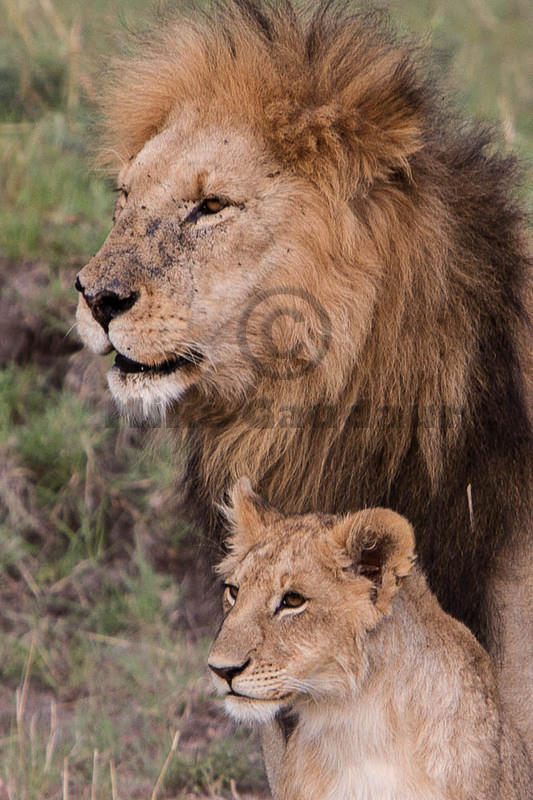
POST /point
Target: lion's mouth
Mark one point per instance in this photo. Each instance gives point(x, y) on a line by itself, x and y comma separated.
point(237, 695)
point(128, 366)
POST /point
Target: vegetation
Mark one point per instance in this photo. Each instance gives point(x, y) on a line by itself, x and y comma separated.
point(104, 621)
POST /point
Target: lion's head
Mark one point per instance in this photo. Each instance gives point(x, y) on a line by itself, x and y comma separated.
point(302, 593)
point(206, 227)
point(250, 153)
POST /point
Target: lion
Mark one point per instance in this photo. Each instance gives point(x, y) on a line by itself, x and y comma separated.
point(316, 277)
point(395, 699)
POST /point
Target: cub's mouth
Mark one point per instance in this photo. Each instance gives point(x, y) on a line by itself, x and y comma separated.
point(129, 366)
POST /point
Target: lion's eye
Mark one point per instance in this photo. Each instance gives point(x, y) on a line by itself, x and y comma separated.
point(230, 593)
point(120, 202)
point(292, 600)
point(120, 190)
point(212, 205)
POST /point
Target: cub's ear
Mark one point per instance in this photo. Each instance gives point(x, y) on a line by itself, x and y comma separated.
point(380, 545)
point(248, 515)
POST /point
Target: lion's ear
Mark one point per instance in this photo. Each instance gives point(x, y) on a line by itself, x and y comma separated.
point(367, 129)
point(249, 516)
point(385, 126)
point(380, 544)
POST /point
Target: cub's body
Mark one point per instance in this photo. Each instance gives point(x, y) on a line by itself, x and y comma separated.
point(393, 698)
point(426, 724)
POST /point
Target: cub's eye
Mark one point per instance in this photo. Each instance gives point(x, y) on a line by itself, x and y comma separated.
point(230, 593)
point(212, 205)
point(292, 600)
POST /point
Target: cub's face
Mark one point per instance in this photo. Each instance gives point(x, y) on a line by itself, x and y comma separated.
point(295, 616)
point(209, 239)
point(301, 595)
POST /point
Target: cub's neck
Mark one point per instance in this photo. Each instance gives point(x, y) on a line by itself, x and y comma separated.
point(379, 740)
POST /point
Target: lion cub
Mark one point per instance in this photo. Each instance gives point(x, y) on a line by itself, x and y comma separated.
point(395, 700)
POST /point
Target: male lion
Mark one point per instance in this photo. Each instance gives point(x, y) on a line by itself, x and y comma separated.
point(316, 275)
point(395, 699)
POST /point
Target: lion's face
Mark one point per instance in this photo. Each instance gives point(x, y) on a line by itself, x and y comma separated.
point(301, 595)
point(208, 234)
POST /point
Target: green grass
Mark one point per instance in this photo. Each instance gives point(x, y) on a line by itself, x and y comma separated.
point(484, 46)
point(97, 667)
point(52, 206)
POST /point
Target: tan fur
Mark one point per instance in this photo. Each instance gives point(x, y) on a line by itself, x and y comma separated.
point(385, 232)
point(230, 120)
point(395, 699)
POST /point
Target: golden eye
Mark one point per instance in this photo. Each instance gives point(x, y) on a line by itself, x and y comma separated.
point(230, 593)
point(292, 600)
point(212, 205)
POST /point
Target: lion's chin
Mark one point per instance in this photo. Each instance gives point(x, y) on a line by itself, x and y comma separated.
point(145, 398)
point(252, 711)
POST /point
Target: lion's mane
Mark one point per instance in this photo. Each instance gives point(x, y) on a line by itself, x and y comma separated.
point(430, 417)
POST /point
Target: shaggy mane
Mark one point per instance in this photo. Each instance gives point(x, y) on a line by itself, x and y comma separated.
point(329, 91)
point(430, 417)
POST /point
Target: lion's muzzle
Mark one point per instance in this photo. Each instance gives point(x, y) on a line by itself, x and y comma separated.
point(106, 305)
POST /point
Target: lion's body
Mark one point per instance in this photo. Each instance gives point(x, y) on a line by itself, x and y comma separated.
point(352, 198)
point(394, 698)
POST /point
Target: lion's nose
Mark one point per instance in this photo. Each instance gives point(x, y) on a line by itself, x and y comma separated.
point(106, 305)
point(230, 672)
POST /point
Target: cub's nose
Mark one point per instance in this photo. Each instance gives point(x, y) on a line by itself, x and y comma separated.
point(228, 673)
point(106, 305)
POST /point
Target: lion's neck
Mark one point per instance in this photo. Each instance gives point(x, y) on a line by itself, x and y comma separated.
point(290, 449)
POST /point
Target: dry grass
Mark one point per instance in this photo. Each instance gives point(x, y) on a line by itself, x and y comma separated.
point(49, 750)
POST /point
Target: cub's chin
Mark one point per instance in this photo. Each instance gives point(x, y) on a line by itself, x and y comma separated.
point(250, 710)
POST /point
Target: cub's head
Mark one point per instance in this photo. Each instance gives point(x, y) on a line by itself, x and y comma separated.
point(302, 593)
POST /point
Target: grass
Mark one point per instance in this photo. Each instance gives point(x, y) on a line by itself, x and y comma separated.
point(483, 46)
point(103, 629)
point(85, 697)
point(52, 205)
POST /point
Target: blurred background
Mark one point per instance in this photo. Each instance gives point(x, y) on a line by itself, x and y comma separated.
point(104, 625)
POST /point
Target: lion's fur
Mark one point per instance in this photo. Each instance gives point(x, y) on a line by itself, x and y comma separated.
point(311, 96)
point(393, 697)
point(362, 189)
